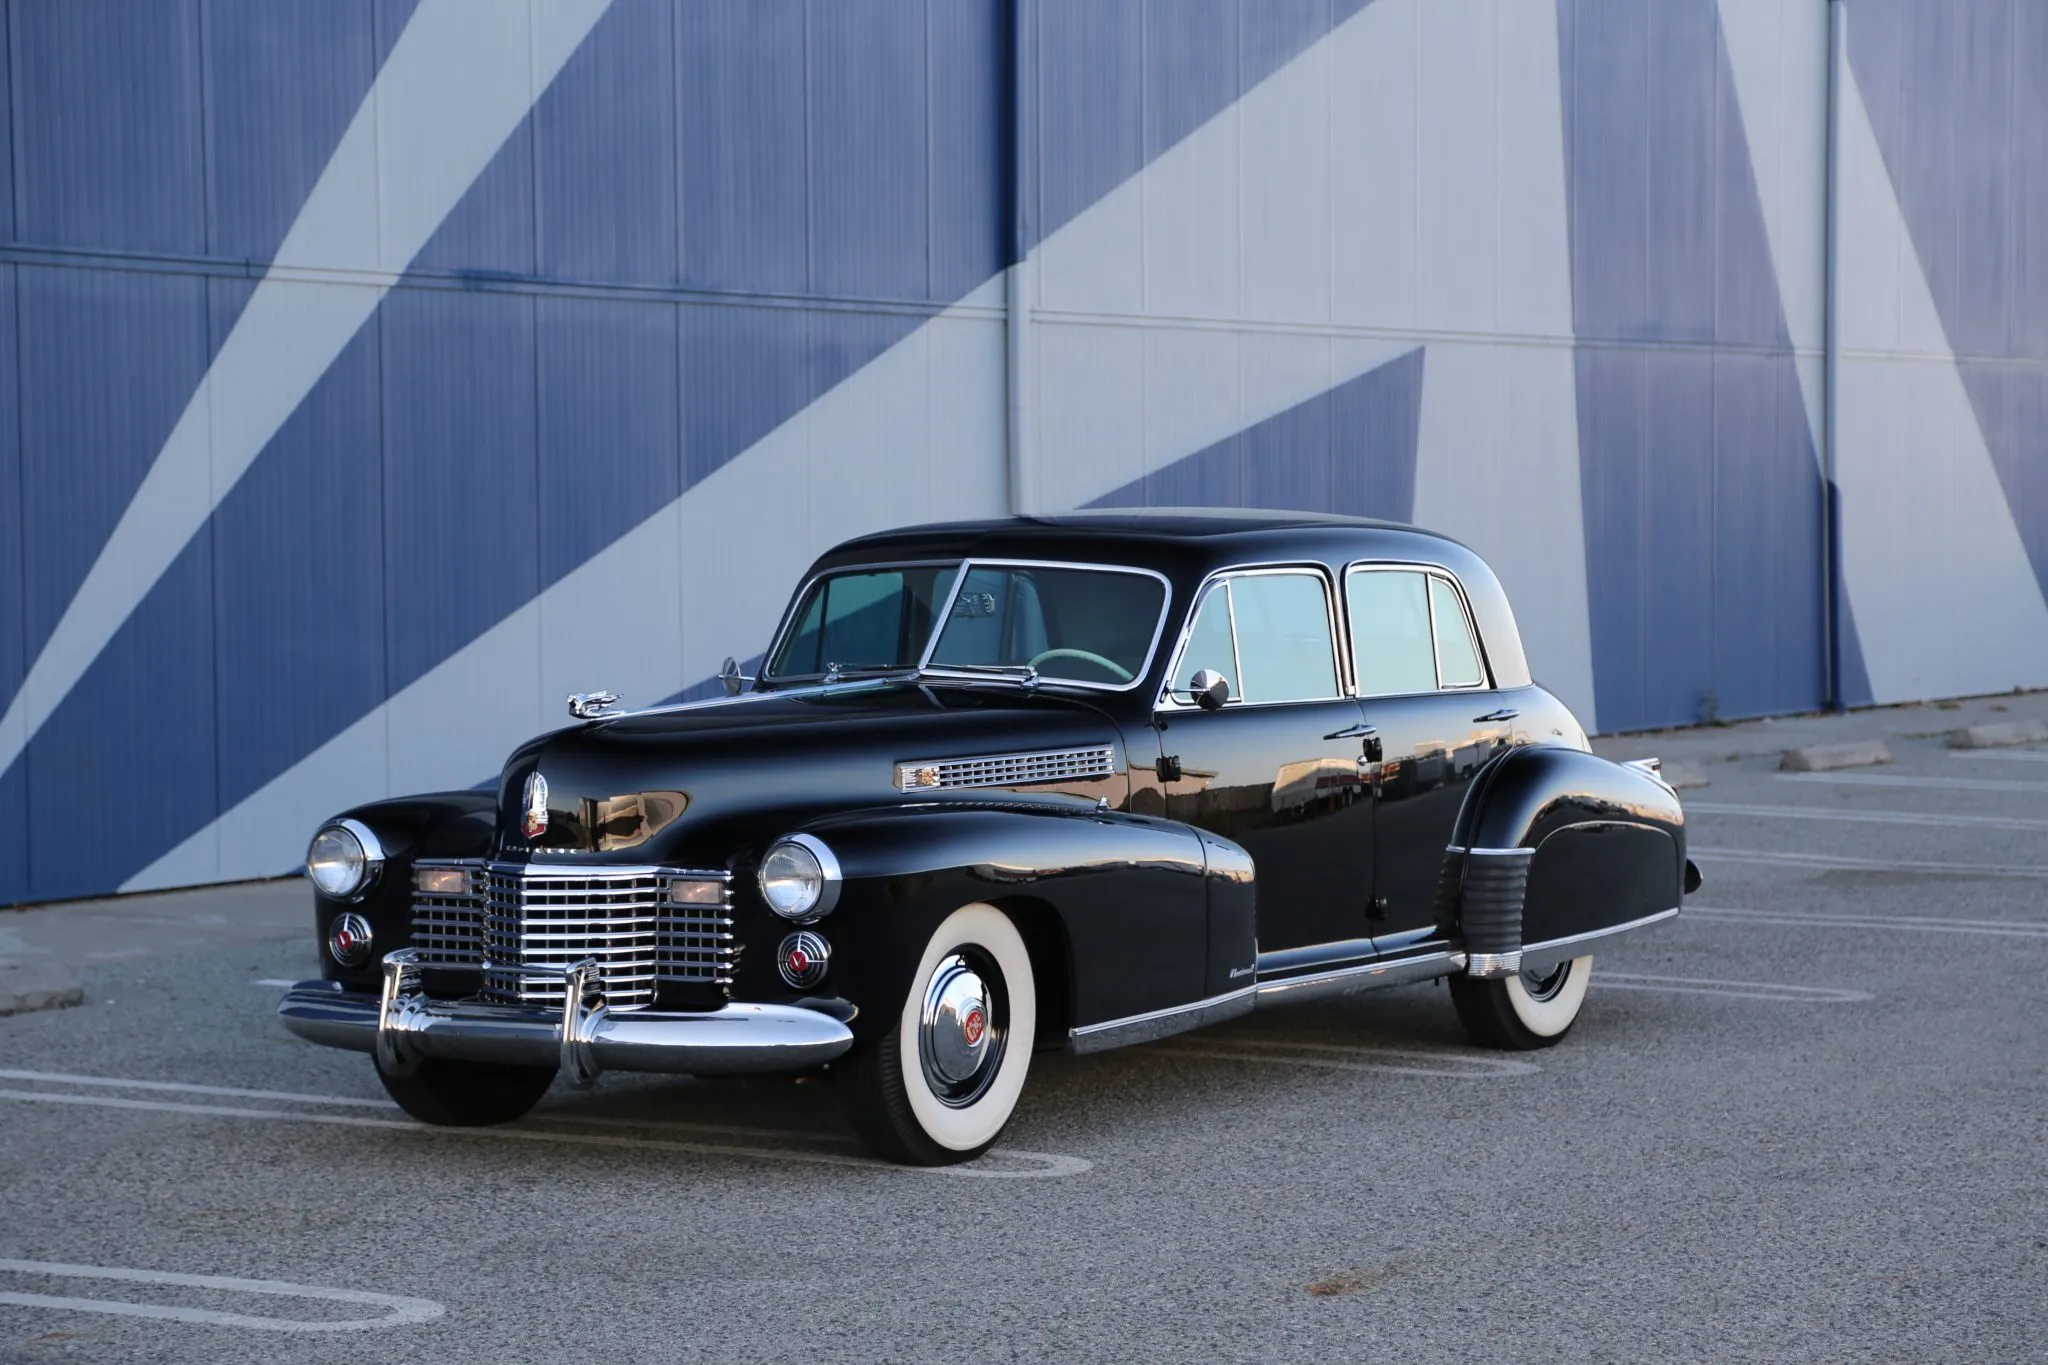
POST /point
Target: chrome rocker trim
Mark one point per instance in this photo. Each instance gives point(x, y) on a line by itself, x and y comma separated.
point(1155, 1024)
point(1536, 956)
point(1365, 976)
point(402, 1027)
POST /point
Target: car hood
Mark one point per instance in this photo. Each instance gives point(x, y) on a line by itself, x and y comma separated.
point(698, 785)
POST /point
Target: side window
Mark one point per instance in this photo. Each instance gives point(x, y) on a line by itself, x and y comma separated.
point(1457, 655)
point(1210, 644)
point(1390, 642)
point(1283, 638)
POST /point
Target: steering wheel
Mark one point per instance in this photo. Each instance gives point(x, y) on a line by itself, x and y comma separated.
point(1109, 666)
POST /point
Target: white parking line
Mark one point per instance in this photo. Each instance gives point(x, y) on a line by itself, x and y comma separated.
point(2005, 755)
point(1036, 1164)
point(1969, 784)
point(1393, 1061)
point(281, 983)
point(1865, 817)
point(400, 1311)
point(1740, 990)
point(1834, 863)
point(182, 1088)
point(1884, 923)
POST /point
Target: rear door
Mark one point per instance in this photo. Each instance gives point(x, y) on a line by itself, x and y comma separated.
point(1279, 768)
point(1423, 685)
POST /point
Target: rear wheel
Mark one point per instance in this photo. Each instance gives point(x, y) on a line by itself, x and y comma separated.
point(938, 1088)
point(1532, 1009)
point(467, 1094)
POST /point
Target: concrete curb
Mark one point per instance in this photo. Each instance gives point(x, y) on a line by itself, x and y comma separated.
point(1821, 758)
point(1685, 773)
point(39, 986)
point(1998, 734)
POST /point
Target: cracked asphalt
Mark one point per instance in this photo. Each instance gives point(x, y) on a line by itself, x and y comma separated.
point(1804, 1122)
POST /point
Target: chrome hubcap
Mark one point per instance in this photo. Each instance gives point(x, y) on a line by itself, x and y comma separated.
point(961, 1028)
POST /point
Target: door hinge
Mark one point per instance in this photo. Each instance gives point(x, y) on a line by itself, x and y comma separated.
point(1169, 768)
point(1378, 909)
point(1375, 751)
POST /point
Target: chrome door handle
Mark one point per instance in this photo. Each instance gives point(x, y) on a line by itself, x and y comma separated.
point(1354, 732)
point(1505, 713)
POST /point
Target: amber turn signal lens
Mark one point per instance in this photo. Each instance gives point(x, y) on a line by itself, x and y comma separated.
point(441, 881)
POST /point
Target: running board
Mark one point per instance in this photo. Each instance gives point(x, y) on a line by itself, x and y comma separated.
point(1365, 976)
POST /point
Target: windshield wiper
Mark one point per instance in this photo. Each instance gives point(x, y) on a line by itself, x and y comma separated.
point(1018, 673)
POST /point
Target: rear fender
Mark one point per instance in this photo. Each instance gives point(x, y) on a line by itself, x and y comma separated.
point(1556, 848)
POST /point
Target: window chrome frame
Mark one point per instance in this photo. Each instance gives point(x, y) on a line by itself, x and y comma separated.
point(1427, 571)
point(944, 614)
point(1221, 578)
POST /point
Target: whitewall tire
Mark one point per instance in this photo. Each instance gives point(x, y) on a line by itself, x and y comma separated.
point(942, 1084)
point(1531, 1009)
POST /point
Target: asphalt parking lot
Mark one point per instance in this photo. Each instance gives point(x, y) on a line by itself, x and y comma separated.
point(1806, 1121)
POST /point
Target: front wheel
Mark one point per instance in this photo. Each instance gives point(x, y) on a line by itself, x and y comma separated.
point(939, 1087)
point(1531, 1009)
point(467, 1094)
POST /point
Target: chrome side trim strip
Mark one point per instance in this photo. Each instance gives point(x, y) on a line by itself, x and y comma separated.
point(1144, 1028)
point(1367, 976)
point(1553, 951)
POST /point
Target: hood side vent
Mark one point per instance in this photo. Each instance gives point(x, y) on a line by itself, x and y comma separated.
point(1007, 770)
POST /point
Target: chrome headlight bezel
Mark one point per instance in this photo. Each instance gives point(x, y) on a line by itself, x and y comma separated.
point(366, 863)
point(807, 862)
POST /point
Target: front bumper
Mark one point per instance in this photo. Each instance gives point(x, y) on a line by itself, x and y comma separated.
point(402, 1027)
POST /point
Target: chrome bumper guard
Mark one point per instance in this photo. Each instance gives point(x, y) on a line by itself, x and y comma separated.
point(583, 1037)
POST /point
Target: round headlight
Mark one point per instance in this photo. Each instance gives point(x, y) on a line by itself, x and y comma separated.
point(343, 859)
point(800, 878)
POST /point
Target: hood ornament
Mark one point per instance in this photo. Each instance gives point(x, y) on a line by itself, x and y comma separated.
point(535, 821)
point(593, 705)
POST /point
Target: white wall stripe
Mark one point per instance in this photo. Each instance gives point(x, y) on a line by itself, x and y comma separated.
point(456, 85)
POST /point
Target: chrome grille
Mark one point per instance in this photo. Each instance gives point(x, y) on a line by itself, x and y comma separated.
point(1007, 770)
point(555, 916)
point(448, 930)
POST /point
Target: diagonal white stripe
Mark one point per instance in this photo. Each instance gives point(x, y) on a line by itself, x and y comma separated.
point(457, 83)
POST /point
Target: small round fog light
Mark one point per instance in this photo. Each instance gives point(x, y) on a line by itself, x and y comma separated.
point(802, 959)
point(348, 939)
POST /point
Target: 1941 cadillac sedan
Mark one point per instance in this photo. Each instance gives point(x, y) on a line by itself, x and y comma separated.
point(1069, 782)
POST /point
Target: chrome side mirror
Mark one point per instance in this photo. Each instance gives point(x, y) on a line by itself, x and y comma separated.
point(1210, 688)
point(730, 677)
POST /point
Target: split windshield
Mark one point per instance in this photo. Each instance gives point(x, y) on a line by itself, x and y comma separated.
point(1081, 625)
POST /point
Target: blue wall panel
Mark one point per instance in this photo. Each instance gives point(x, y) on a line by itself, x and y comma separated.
point(126, 768)
point(1960, 110)
point(1350, 450)
point(283, 81)
point(1721, 613)
point(605, 135)
point(969, 177)
point(108, 125)
point(13, 782)
point(461, 511)
point(108, 360)
point(1191, 56)
point(609, 449)
point(6, 124)
point(298, 574)
point(740, 88)
point(869, 214)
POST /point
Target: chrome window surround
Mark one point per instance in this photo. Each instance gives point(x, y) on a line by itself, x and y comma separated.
point(1006, 770)
point(940, 617)
point(514, 917)
point(1341, 661)
point(1485, 683)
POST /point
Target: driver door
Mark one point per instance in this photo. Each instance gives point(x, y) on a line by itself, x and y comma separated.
point(1280, 767)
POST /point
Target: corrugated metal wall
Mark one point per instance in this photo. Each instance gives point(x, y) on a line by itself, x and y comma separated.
point(724, 284)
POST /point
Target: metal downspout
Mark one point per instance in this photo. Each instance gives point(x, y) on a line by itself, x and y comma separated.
point(1018, 280)
point(1831, 357)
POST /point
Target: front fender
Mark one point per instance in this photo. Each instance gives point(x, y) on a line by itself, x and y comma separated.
point(1556, 846)
point(1116, 908)
point(438, 825)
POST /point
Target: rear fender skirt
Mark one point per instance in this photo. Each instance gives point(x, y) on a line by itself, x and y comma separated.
point(1557, 848)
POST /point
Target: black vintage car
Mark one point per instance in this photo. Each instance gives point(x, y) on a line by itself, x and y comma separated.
point(1067, 782)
